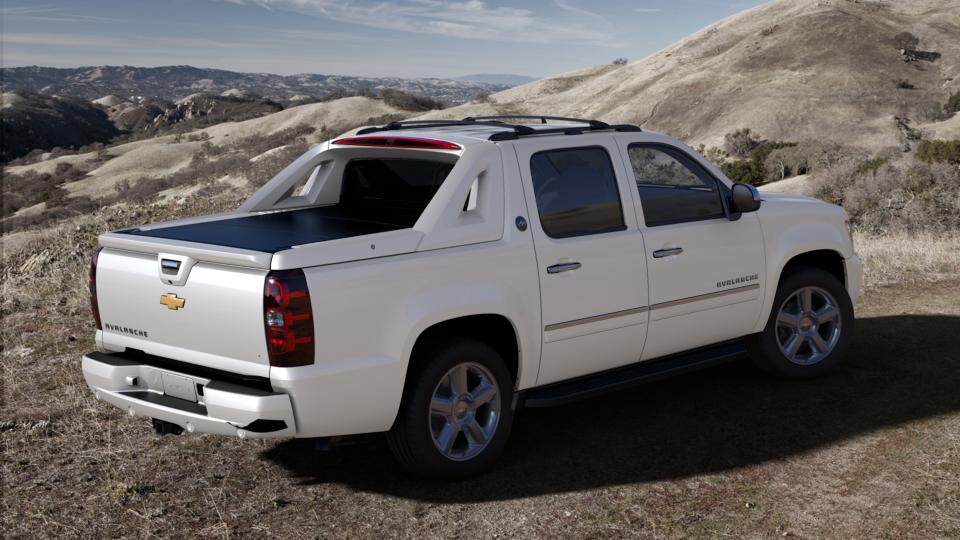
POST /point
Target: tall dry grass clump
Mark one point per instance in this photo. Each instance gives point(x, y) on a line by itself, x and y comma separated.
point(903, 257)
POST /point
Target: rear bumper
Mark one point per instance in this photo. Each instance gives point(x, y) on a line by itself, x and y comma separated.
point(221, 407)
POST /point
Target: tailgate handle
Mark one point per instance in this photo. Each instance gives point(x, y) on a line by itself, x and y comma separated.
point(174, 269)
point(170, 266)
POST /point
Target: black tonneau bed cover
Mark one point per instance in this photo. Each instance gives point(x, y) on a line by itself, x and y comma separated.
point(276, 231)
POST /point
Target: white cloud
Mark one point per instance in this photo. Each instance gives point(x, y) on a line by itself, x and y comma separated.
point(50, 14)
point(472, 19)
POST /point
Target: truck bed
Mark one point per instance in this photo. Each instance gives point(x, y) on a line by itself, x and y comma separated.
point(276, 231)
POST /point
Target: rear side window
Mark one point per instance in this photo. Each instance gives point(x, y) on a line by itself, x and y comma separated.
point(673, 188)
point(576, 192)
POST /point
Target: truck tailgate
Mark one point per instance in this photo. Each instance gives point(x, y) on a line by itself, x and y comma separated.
point(214, 319)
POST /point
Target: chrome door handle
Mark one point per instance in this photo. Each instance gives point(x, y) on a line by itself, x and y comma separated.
point(660, 253)
point(563, 267)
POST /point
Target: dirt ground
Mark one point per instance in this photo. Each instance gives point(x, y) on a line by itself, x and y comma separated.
point(872, 451)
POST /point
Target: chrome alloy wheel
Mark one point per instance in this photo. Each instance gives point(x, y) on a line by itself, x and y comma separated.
point(464, 411)
point(808, 326)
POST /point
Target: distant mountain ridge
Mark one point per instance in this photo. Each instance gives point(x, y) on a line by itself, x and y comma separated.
point(176, 82)
point(508, 79)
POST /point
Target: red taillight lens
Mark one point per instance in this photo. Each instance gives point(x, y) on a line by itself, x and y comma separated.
point(93, 288)
point(398, 142)
point(288, 318)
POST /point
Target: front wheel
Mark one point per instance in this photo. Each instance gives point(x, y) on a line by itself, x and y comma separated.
point(809, 328)
point(456, 413)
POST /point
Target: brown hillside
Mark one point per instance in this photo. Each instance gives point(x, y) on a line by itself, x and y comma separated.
point(790, 69)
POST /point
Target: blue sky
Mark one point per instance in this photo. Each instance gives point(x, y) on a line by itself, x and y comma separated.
point(408, 38)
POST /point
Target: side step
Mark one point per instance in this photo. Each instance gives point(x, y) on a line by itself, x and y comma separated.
point(632, 375)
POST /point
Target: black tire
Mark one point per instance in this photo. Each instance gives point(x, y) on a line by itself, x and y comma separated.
point(411, 438)
point(764, 348)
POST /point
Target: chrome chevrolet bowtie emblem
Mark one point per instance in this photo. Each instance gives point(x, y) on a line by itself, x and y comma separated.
point(172, 301)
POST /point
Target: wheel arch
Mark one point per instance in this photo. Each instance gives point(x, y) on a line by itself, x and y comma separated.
point(494, 329)
point(828, 260)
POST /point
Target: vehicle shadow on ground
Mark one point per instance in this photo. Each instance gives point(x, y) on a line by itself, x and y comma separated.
point(899, 369)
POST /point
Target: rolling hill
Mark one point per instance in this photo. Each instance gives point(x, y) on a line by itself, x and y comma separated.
point(29, 120)
point(789, 70)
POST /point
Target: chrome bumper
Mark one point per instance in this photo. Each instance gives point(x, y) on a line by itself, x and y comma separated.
point(223, 408)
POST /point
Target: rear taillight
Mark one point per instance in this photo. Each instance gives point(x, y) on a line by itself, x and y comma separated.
point(288, 318)
point(93, 288)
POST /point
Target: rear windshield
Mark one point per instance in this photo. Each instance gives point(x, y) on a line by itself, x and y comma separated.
point(396, 183)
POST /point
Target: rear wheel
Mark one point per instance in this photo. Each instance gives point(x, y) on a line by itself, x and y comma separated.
point(456, 413)
point(809, 328)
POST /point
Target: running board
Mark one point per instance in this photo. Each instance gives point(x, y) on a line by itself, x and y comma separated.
point(617, 379)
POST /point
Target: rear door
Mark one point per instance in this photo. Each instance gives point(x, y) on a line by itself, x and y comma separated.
point(706, 271)
point(590, 253)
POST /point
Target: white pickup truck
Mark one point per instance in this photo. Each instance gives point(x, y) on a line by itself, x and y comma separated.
point(430, 279)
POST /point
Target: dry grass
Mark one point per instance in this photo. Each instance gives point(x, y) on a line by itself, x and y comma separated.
point(909, 258)
point(873, 451)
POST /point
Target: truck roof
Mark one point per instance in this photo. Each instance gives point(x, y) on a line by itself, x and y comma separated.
point(472, 130)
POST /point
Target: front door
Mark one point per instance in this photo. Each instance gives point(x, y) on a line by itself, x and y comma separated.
point(590, 252)
point(706, 271)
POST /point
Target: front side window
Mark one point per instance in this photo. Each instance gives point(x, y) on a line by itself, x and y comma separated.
point(672, 187)
point(576, 192)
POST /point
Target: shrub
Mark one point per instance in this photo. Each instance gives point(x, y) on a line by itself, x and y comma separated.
point(713, 154)
point(756, 170)
point(744, 172)
point(410, 102)
point(619, 61)
point(939, 151)
point(906, 41)
point(740, 143)
point(871, 166)
point(953, 104)
point(198, 137)
point(481, 97)
point(910, 197)
point(66, 172)
point(807, 157)
point(904, 84)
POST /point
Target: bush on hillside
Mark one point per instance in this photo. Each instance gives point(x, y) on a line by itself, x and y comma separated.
point(744, 171)
point(755, 170)
point(740, 143)
point(906, 41)
point(410, 102)
point(807, 157)
point(911, 197)
point(714, 155)
point(619, 61)
point(939, 151)
point(953, 104)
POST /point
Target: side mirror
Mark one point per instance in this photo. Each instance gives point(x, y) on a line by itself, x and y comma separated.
point(744, 198)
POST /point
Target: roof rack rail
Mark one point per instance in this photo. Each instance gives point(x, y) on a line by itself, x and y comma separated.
point(596, 124)
point(513, 131)
point(413, 124)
